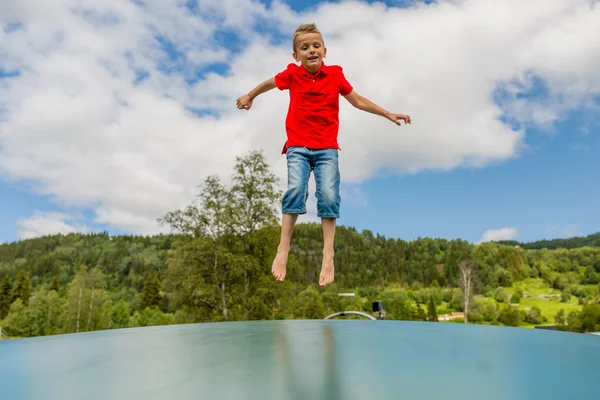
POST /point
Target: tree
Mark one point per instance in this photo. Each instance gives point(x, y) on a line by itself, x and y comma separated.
point(5, 296)
point(466, 269)
point(590, 277)
point(47, 308)
point(254, 194)
point(574, 322)
point(419, 314)
point(222, 220)
point(515, 298)
point(96, 279)
point(204, 276)
point(431, 313)
point(42, 316)
point(22, 288)
point(85, 300)
point(519, 292)
point(510, 316)
point(589, 318)
point(310, 304)
point(19, 322)
point(534, 316)
point(490, 311)
point(500, 295)
point(54, 285)
point(254, 203)
point(397, 304)
point(151, 293)
point(119, 315)
point(209, 215)
point(560, 319)
point(151, 317)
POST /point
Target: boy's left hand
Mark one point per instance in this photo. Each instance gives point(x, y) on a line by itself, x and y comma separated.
point(395, 118)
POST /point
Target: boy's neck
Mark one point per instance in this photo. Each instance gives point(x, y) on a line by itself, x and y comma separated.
point(315, 72)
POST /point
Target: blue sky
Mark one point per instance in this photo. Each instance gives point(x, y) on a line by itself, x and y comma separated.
point(547, 189)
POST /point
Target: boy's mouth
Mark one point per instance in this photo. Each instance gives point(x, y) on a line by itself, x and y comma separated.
point(312, 58)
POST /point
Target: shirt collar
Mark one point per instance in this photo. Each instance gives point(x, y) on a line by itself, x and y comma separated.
point(324, 70)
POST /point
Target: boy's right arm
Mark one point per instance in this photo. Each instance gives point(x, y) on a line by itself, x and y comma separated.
point(245, 101)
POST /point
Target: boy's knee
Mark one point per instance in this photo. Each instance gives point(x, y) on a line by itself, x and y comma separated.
point(328, 203)
point(294, 198)
point(329, 195)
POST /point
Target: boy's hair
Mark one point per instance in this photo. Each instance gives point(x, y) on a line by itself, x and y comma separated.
point(304, 28)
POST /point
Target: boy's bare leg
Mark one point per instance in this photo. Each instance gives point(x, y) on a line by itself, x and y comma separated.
point(328, 238)
point(288, 222)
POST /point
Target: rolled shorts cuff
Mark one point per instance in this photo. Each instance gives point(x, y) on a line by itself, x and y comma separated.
point(336, 216)
point(293, 211)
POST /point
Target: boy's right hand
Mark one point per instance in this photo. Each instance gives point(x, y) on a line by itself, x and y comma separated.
point(244, 102)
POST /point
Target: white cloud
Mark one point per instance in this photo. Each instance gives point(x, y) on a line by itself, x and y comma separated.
point(47, 223)
point(493, 235)
point(76, 125)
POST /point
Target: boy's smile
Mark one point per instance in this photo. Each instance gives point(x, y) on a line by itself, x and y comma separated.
point(310, 51)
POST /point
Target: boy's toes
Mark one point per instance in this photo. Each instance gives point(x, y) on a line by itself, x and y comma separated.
point(278, 275)
point(325, 280)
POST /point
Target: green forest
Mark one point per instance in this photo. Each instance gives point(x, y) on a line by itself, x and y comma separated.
point(215, 266)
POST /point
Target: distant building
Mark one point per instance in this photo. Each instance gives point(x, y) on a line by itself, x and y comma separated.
point(454, 315)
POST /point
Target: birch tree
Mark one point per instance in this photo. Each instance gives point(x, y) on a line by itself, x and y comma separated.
point(85, 300)
point(466, 271)
point(221, 222)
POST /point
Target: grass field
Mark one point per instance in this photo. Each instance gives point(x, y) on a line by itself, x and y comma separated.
point(545, 298)
point(536, 293)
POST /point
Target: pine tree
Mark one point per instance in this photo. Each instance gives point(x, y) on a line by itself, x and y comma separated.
point(150, 296)
point(419, 314)
point(431, 313)
point(22, 289)
point(54, 284)
point(5, 296)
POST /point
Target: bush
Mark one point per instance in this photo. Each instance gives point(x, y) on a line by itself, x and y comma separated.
point(501, 295)
point(518, 292)
point(515, 298)
point(534, 316)
point(151, 317)
point(510, 316)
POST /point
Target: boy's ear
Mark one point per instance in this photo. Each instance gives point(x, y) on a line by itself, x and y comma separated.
point(324, 52)
point(295, 57)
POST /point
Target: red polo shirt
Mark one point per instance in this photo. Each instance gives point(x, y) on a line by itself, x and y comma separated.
point(312, 119)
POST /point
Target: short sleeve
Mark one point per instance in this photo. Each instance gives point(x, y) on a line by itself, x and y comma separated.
point(282, 79)
point(345, 86)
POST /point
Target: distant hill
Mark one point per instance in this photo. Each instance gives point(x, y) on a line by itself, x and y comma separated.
point(592, 240)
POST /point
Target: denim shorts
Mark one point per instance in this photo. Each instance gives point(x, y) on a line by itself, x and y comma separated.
point(324, 163)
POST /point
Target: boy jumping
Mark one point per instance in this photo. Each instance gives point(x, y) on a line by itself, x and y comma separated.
point(312, 129)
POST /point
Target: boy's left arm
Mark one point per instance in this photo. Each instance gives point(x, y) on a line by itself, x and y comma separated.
point(362, 103)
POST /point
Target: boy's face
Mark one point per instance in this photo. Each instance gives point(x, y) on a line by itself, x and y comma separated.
point(310, 51)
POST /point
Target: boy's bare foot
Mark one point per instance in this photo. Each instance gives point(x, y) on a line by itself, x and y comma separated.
point(279, 264)
point(327, 270)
